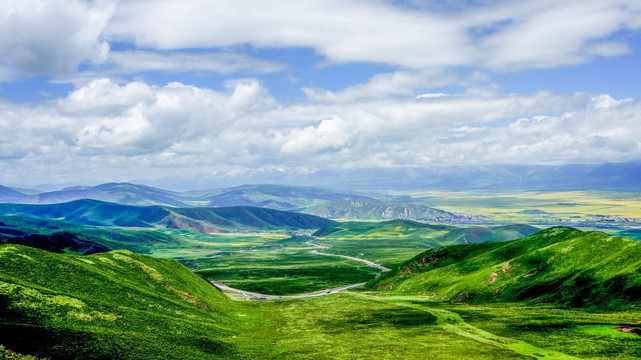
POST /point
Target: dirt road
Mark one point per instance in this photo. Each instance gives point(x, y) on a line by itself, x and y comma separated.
point(369, 263)
point(256, 296)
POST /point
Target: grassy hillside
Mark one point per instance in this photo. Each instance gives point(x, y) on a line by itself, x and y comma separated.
point(559, 265)
point(116, 305)
point(63, 236)
point(393, 242)
point(208, 220)
point(474, 235)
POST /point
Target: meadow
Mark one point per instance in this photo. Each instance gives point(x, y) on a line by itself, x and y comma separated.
point(125, 305)
point(365, 325)
point(534, 207)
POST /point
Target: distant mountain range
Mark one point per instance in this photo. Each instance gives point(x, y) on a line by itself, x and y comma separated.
point(609, 176)
point(315, 201)
point(267, 196)
point(623, 176)
point(10, 195)
point(206, 220)
point(374, 209)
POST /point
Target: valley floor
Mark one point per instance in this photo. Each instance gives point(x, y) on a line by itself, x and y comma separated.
point(364, 325)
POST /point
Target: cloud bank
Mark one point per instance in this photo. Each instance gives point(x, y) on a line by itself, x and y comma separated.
point(138, 128)
point(117, 124)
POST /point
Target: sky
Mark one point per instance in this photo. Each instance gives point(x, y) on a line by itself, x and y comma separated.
point(100, 91)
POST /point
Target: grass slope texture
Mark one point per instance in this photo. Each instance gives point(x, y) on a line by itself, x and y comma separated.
point(67, 237)
point(560, 265)
point(475, 235)
point(115, 305)
point(373, 209)
point(207, 220)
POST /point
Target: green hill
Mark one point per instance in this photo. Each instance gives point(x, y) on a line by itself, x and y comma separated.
point(207, 220)
point(122, 193)
point(63, 236)
point(563, 266)
point(474, 235)
point(115, 305)
point(295, 198)
point(392, 242)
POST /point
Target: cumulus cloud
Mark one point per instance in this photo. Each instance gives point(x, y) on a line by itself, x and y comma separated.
point(496, 35)
point(54, 38)
point(51, 37)
point(106, 127)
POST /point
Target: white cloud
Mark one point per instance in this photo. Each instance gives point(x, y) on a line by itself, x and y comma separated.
point(54, 38)
point(51, 37)
point(129, 62)
point(497, 35)
point(430, 95)
point(105, 129)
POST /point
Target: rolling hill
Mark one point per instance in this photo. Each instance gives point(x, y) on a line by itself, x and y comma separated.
point(277, 197)
point(474, 235)
point(207, 220)
point(122, 193)
point(563, 266)
point(309, 200)
point(116, 305)
point(374, 209)
point(295, 198)
point(67, 237)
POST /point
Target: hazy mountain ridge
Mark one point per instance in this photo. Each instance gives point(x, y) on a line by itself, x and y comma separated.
point(614, 176)
point(8, 194)
point(374, 209)
point(93, 212)
point(314, 201)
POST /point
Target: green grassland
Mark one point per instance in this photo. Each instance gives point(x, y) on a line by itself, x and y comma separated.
point(534, 207)
point(279, 264)
point(393, 242)
point(116, 305)
point(207, 220)
point(365, 325)
point(121, 305)
point(559, 265)
point(80, 238)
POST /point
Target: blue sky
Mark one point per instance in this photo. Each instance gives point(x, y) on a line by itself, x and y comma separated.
point(95, 91)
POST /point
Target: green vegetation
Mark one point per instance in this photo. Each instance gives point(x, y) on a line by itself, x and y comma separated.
point(562, 266)
point(121, 305)
point(280, 268)
point(393, 242)
point(116, 305)
point(574, 208)
point(63, 236)
point(207, 220)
